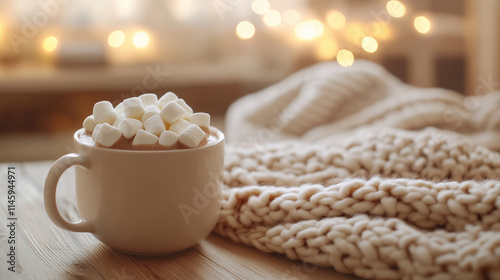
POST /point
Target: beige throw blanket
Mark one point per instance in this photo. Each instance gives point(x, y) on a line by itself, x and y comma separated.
point(353, 169)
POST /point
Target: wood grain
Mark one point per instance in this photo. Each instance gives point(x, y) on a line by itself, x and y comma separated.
point(45, 251)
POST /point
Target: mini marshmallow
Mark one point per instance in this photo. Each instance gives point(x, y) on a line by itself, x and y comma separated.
point(150, 111)
point(144, 138)
point(133, 108)
point(119, 109)
point(104, 112)
point(149, 99)
point(200, 119)
point(116, 123)
point(89, 123)
point(179, 126)
point(172, 112)
point(96, 130)
point(186, 107)
point(108, 135)
point(154, 125)
point(168, 138)
point(129, 127)
point(192, 136)
point(166, 98)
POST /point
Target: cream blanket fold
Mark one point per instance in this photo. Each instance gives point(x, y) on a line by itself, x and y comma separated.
point(353, 169)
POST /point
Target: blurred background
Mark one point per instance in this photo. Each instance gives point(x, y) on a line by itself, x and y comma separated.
point(59, 57)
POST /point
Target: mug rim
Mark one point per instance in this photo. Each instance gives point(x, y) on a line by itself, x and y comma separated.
point(220, 138)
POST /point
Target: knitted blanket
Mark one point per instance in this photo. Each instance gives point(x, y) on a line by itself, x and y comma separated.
point(351, 168)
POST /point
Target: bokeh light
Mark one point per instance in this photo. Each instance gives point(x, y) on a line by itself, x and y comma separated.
point(260, 7)
point(422, 24)
point(308, 30)
point(141, 39)
point(272, 18)
point(369, 44)
point(356, 32)
point(326, 49)
point(116, 38)
point(378, 30)
point(335, 19)
point(291, 17)
point(50, 44)
point(345, 57)
point(395, 8)
point(245, 30)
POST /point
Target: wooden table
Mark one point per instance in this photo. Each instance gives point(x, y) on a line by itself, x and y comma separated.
point(44, 251)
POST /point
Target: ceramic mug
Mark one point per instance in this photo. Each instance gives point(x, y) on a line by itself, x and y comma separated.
point(142, 202)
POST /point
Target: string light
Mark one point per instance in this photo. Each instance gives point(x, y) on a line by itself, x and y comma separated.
point(345, 58)
point(335, 19)
point(422, 24)
point(245, 30)
point(369, 44)
point(291, 17)
point(116, 38)
point(272, 18)
point(260, 7)
point(50, 44)
point(141, 39)
point(395, 8)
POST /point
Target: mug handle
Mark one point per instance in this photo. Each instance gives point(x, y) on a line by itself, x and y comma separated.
point(53, 177)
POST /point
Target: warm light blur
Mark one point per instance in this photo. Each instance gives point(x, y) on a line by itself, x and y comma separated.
point(116, 38)
point(291, 17)
point(345, 58)
point(272, 18)
point(369, 44)
point(326, 49)
point(50, 44)
point(260, 7)
point(245, 30)
point(335, 19)
point(395, 8)
point(422, 24)
point(355, 32)
point(381, 31)
point(141, 39)
point(318, 27)
point(309, 29)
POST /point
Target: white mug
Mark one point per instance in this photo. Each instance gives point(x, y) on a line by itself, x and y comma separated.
point(142, 202)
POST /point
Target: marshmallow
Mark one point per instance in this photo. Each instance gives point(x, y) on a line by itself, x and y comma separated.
point(154, 125)
point(149, 99)
point(89, 123)
point(179, 126)
point(168, 138)
point(129, 127)
point(186, 107)
point(108, 135)
point(150, 111)
point(172, 112)
point(96, 130)
point(119, 109)
point(200, 119)
point(166, 98)
point(133, 108)
point(116, 123)
point(104, 112)
point(192, 136)
point(144, 138)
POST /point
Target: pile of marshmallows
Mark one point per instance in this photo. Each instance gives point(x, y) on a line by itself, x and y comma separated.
point(149, 120)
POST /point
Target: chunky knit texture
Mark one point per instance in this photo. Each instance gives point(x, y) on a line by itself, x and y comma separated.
point(355, 191)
